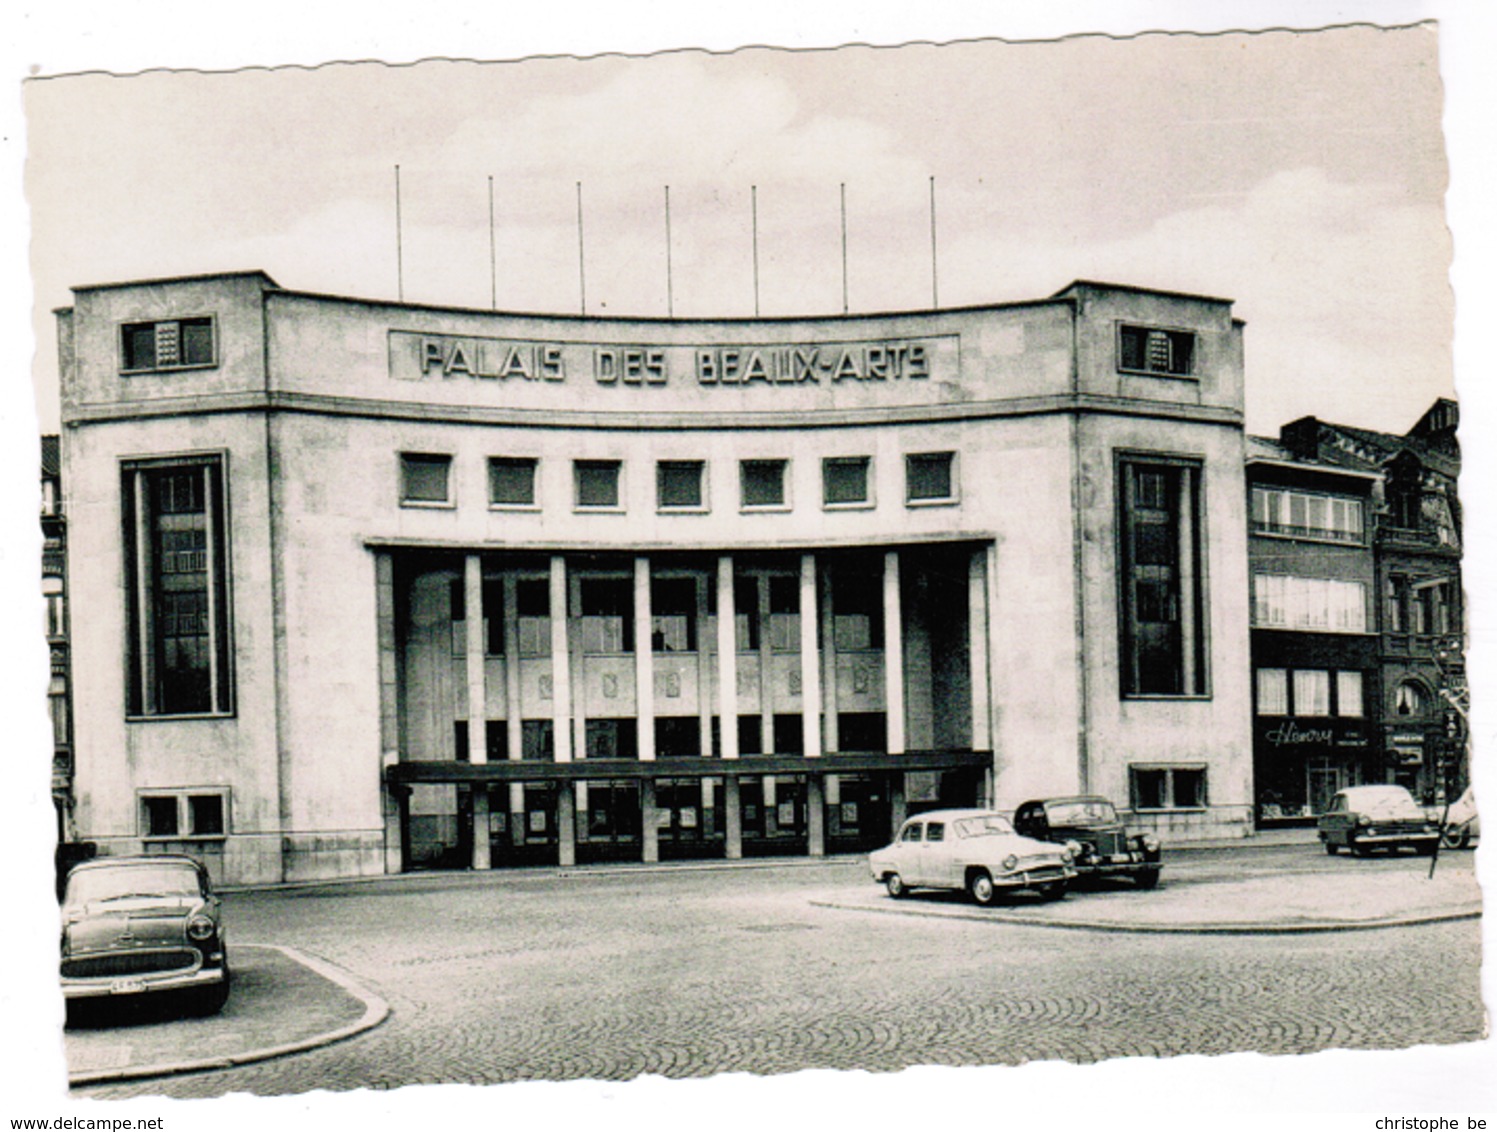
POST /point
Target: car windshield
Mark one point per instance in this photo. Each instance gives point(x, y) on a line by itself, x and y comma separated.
point(985, 826)
point(90, 885)
point(1081, 811)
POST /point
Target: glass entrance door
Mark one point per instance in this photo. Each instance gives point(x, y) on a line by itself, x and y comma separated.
point(608, 824)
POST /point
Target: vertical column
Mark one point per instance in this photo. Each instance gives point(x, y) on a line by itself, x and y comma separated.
point(514, 715)
point(561, 662)
point(566, 825)
point(514, 738)
point(830, 729)
point(898, 809)
point(644, 660)
point(815, 817)
point(810, 660)
point(389, 703)
point(766, 670)
point(650, 829)
point(727, 660)
point(727, 704)
point(561, 710)
point(893, 655)
point(705, 658)
point(475, 640)
point(977, 651)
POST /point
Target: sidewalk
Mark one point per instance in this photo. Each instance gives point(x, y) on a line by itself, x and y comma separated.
point(283, 1001)
point(1382, 893)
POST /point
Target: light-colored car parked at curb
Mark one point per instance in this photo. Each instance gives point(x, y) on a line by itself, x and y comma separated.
point(1462, 828)
point(1363, 818)
point(976, 851)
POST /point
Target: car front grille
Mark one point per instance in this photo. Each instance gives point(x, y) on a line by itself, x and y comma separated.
point(129, 963)
point(1043, 873)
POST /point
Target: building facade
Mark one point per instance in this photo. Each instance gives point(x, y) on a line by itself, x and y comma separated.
point(54, 594)
point(364, 587)
point(1422, 732)
point(1316, 662)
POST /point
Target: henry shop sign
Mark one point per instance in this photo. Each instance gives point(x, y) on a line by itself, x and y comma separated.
point(1295, 735)
point(433, 357)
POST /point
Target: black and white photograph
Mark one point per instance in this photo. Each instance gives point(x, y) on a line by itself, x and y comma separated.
point(894, 567)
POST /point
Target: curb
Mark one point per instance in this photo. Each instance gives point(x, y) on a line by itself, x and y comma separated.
point(1197, 928)
point(637, 868)
point(376, 1010)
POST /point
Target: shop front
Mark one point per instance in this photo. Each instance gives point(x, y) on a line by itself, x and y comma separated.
point(1300, 765)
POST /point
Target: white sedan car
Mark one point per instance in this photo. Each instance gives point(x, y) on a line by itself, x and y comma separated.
point(976, 851)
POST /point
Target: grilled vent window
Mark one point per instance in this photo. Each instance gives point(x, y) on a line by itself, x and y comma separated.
point(763, 483)
point(511, 481)
point(679, 483)
point(844, 480)
point(597, 483)
point(928, 477)
point(1143, 349)
point(174, 344)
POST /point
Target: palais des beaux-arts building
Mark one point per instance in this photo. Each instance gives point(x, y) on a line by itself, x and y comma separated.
point(359, 587)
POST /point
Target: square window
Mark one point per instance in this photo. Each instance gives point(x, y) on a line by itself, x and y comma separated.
point(159, 815)
point(511, 481)
point(425, 478)
point(206, 813)
point(928, 477)
point(679, 484)
point(597, 482)
point(1167, 788)
point(763, 483)
point(844, 481)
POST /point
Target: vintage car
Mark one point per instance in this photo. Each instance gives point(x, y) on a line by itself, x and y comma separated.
point(1462, 828)
point(972, 850)
point(1363, 818)
point(139, 925)
point(1100, 843)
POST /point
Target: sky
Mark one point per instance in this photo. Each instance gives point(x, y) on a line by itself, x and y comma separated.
point(1306, 176)
point(1300, 174)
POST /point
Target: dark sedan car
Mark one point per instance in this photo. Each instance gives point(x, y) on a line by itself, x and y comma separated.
point(1100, 843)
point(139, 925)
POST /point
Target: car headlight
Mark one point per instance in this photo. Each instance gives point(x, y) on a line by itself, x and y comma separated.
point(201, 928)
point(1149, 842)
point(1073, 850)
point(1066, 856)
point(1363, 819)
point(1009, 863)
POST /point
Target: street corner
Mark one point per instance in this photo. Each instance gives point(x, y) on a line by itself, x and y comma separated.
point(1385, 897)
point(283, 1001)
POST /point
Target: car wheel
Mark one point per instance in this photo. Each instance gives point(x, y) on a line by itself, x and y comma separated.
point(1053, 891)
point(894, 886)
point(981, 888)
point(1149, 878)
point(1358, 849)
point(1455, 838)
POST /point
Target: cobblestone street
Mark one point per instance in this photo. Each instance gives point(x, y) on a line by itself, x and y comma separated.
point(683, 973)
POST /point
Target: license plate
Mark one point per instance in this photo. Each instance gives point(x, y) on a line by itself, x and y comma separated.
point(127, 986)
point(1120, 858)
